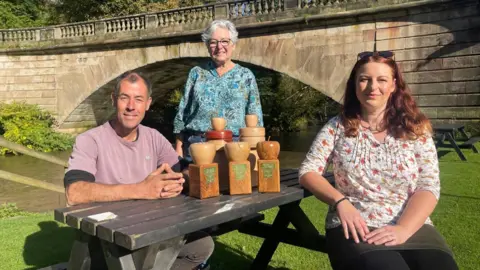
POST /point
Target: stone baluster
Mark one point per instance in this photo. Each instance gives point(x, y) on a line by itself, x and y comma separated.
point(210, 13)
point(161, 20)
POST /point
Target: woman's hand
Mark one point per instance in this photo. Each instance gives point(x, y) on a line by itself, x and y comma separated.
point(179, 151)
point(178, 146)
point(388, 235)
point(352, 221)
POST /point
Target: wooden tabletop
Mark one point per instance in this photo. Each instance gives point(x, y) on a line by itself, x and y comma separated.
point(140, 223)
point(448, 127)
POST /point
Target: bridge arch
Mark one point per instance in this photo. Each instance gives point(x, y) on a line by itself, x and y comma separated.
point(435, 42)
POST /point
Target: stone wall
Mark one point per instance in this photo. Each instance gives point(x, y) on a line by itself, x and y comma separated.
point(438, 48)
point(29, 78)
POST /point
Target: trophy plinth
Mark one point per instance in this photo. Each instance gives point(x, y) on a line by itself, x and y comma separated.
point(268, 166)
point(204, 173)
point(239, 175)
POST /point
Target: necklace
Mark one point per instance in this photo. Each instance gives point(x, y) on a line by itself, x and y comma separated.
point(373, 130)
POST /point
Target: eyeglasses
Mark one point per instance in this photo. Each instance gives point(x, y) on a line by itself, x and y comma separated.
point(384, 54)
point(212, 43)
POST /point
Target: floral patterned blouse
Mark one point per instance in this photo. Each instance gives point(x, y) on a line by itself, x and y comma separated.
point(208, 95)
point(377, 178)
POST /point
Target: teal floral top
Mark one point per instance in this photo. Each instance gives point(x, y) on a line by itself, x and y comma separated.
point(208, 95)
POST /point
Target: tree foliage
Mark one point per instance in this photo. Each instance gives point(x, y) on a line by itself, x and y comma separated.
point(75, 11)
point(23, 13)
point(290, 105)
point(31, 13)
point(31, 126)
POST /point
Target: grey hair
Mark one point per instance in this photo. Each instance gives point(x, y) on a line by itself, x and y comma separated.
point(213, 26)
point(132, 77)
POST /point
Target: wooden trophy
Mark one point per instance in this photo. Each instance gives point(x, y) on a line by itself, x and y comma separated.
point(252, 134)
point(268, 166)
point(238, 167)
point(220, 136)
point(204, 173)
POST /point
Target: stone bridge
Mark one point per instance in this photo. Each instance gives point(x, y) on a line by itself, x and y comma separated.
point(69, 69)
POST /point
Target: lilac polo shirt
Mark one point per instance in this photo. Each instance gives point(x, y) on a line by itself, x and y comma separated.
point(113, 160)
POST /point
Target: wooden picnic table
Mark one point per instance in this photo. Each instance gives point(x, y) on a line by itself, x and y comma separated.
point(447, 132)
point(148, 234)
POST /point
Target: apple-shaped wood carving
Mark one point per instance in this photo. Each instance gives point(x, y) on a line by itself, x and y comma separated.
point(268, 150)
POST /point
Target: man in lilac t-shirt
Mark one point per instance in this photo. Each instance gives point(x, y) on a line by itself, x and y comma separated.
point(123, 160)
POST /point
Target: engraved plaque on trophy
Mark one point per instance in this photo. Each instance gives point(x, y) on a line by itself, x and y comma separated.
point(268, 166)
point(204, 173)
point(238, 167)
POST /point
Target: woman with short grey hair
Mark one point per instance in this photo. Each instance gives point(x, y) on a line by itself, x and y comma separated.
point(217, 88)
point(226, 24)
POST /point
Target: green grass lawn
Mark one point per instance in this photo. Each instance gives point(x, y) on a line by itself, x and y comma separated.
point(30, 241)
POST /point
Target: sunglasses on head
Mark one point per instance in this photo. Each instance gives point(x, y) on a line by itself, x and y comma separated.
point(384, 54)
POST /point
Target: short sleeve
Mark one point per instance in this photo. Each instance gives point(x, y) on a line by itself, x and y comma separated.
point(84, 154)
point(165, 151)
point(317, 157)
point(427, 161)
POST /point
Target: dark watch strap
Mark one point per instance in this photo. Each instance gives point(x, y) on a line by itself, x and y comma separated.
point(337, 202)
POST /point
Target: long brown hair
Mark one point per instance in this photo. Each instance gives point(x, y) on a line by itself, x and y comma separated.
point(402, 117)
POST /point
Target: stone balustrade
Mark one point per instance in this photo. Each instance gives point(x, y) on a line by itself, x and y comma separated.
point(76, 30)
point(125, 24)
point(19, 35)
point(255, 7)
point(196, 16)
point(324, 3)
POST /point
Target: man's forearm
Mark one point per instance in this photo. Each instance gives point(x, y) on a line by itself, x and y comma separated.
point(85, 192)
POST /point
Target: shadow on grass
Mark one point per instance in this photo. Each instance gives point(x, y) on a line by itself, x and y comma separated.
point(51, 245)
point(460, 196)
point(442, 153)
point(226, 257)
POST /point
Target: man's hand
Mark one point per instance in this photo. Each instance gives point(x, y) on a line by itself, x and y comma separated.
point(160, 185)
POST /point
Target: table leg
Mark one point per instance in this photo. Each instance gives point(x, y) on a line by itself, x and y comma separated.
point(86, 253)
point(160, 256)
point(455, 146)
point(440, 139)
point(462, 130)
point(271, 242)
point(309, 234)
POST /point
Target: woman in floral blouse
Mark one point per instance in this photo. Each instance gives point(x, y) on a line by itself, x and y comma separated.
point(386, 175)
point(219, 88)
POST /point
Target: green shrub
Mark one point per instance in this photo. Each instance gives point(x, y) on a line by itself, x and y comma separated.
point(8, 210)
point(31, 126)
point(473, 129)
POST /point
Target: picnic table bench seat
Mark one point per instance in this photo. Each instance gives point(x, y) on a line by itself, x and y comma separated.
point(446, 132)
point(470, 143)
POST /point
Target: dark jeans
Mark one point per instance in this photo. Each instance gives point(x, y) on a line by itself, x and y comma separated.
point(198, 248)
point(425, 250)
